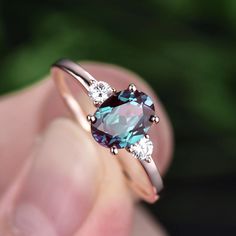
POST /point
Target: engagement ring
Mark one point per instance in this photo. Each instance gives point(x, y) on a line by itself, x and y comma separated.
point(121, 121)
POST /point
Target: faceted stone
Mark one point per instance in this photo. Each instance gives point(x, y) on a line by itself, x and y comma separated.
point(99, 91)
point(123, 119)
point(142, 149)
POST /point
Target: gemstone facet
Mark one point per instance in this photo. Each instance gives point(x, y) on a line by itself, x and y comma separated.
point(143, 149)
point(99, 91)
point(123, 119)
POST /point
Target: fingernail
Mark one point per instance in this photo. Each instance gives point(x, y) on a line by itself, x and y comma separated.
point(61, 186)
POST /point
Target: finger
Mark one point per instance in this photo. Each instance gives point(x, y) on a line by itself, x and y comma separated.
point(67, 180)
point(36, 107)
point(19, 125)
point(145, 225)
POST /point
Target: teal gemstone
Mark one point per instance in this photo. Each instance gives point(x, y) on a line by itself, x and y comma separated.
point(123, 119)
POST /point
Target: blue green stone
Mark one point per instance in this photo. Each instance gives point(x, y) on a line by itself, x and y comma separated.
point(123, 119)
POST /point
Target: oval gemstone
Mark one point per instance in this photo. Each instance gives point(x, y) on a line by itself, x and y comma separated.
point(123, 119)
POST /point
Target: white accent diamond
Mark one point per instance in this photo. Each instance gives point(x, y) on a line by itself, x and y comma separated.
point(99, 91)
point(143, 149)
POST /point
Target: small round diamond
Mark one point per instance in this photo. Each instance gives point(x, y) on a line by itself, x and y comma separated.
point(143, 149)
point(99, 91)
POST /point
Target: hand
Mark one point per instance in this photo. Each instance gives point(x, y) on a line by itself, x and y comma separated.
point(55, 179)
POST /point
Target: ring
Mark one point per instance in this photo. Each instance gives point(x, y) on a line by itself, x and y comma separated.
point(121, 121)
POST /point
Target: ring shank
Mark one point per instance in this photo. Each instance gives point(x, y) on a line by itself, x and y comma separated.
point(63, 71)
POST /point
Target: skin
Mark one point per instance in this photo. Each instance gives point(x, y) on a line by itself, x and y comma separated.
point(55, 180)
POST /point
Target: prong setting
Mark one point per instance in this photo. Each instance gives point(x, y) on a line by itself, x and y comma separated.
point(132, 88)
point(129, 149)
point(148, 159)
point(96, 103)
point(109, 131)
point(91, 118)
point(155, 119)
point(92, 81)
point(114, 150)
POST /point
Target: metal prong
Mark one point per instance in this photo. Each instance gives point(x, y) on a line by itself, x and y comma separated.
point(113, 90)
point(154, 119)
point(91, 118)
point(148, 159)
point(92, 81)
point(96, 103)
point(132, 88)
point(147, 136)
point(128, 149)
point(114, 150)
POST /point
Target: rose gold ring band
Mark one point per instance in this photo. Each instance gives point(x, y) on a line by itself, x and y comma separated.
point(143, 177)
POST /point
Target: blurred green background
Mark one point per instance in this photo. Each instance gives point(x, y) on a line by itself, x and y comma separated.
point(185, 49)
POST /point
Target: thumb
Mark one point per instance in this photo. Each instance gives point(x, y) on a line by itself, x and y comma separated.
point(62, 185)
